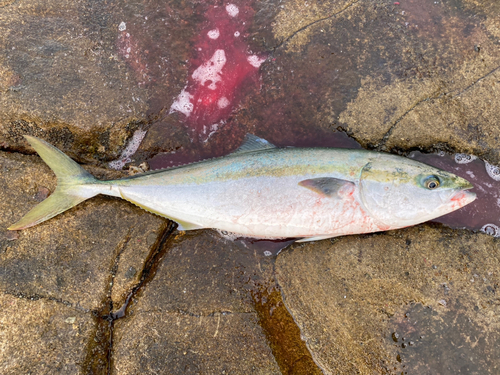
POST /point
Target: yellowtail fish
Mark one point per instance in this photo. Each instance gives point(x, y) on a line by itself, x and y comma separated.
point(268, 192)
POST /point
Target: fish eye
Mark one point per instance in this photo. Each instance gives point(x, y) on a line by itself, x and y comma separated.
point(431, 183)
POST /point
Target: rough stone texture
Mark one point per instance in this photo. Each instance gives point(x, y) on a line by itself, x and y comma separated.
point(41, 336)
point(138, 243)
point(421, 74)
point(69, 75)
point(70, 257)
point(196, 315)
point(294, 17)
point(417, 300)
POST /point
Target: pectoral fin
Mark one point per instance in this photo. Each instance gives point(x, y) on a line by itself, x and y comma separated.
point(329, 186)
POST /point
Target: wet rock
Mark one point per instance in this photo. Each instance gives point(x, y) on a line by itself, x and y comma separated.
point(85, 76)
point(374, 303)
point(196, 314)
point(42, 336)
point(75, 256)
point(294, 17)
point(396, 76)
point(438, 87)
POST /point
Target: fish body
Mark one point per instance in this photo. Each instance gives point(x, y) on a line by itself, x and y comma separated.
point(268, 192)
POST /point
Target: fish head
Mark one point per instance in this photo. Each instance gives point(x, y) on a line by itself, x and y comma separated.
point(398, 192)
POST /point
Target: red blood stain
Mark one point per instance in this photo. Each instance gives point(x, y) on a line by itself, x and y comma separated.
point(222, 63)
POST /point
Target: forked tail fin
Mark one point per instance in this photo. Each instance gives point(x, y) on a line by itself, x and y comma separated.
point(70, 189)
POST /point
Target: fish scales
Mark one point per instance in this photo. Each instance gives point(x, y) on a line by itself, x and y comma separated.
point(257, 194)
point(269, 192)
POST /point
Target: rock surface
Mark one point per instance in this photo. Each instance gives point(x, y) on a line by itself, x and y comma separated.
point(42, 336)
point(417, 300)
point(71, 71)
point(71, 257)
point(109, 288)
point(416, 74)
point(197, 315)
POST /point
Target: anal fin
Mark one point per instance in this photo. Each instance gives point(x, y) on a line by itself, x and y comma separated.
point(183, 225)
point(317, 238)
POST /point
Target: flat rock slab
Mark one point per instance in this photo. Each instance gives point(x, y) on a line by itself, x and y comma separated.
point(42, 336)
point(197, 314)
point(83, 256)
point(395, 75)
point(78, 75)
point(420, 300)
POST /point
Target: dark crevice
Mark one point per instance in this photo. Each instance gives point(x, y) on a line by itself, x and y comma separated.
point(149, 270)
point(282, 333)
point(284, 41)
point(147, 274)
point(100, 347)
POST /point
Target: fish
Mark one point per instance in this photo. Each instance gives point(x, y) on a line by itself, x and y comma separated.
point(264, 191)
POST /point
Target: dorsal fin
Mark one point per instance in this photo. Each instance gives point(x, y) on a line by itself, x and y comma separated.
point(253, 143)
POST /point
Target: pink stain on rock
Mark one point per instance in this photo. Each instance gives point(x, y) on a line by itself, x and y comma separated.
point(223, 62)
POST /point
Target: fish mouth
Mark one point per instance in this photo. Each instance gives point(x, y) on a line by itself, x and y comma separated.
point(463, 196)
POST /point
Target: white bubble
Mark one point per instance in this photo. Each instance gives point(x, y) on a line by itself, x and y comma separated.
point(130, 150)
point(232, 10)
point(223, 102)
point(464, 158)
point(213, 34)
point(255, 60)
point(493, 171)
point(267, 253)
point(211, 130)
point(236, 34)
point(228, 235)
point(491, 229)
point(122, 26)
point(183, 103)
point(211, 70)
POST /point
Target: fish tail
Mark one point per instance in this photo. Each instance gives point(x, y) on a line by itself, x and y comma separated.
point(70, 190)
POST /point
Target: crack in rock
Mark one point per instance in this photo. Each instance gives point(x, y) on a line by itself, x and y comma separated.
point(100, 348)
point(284, 41)
point(36, 297)
point(385, 138)
point(477, 81)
